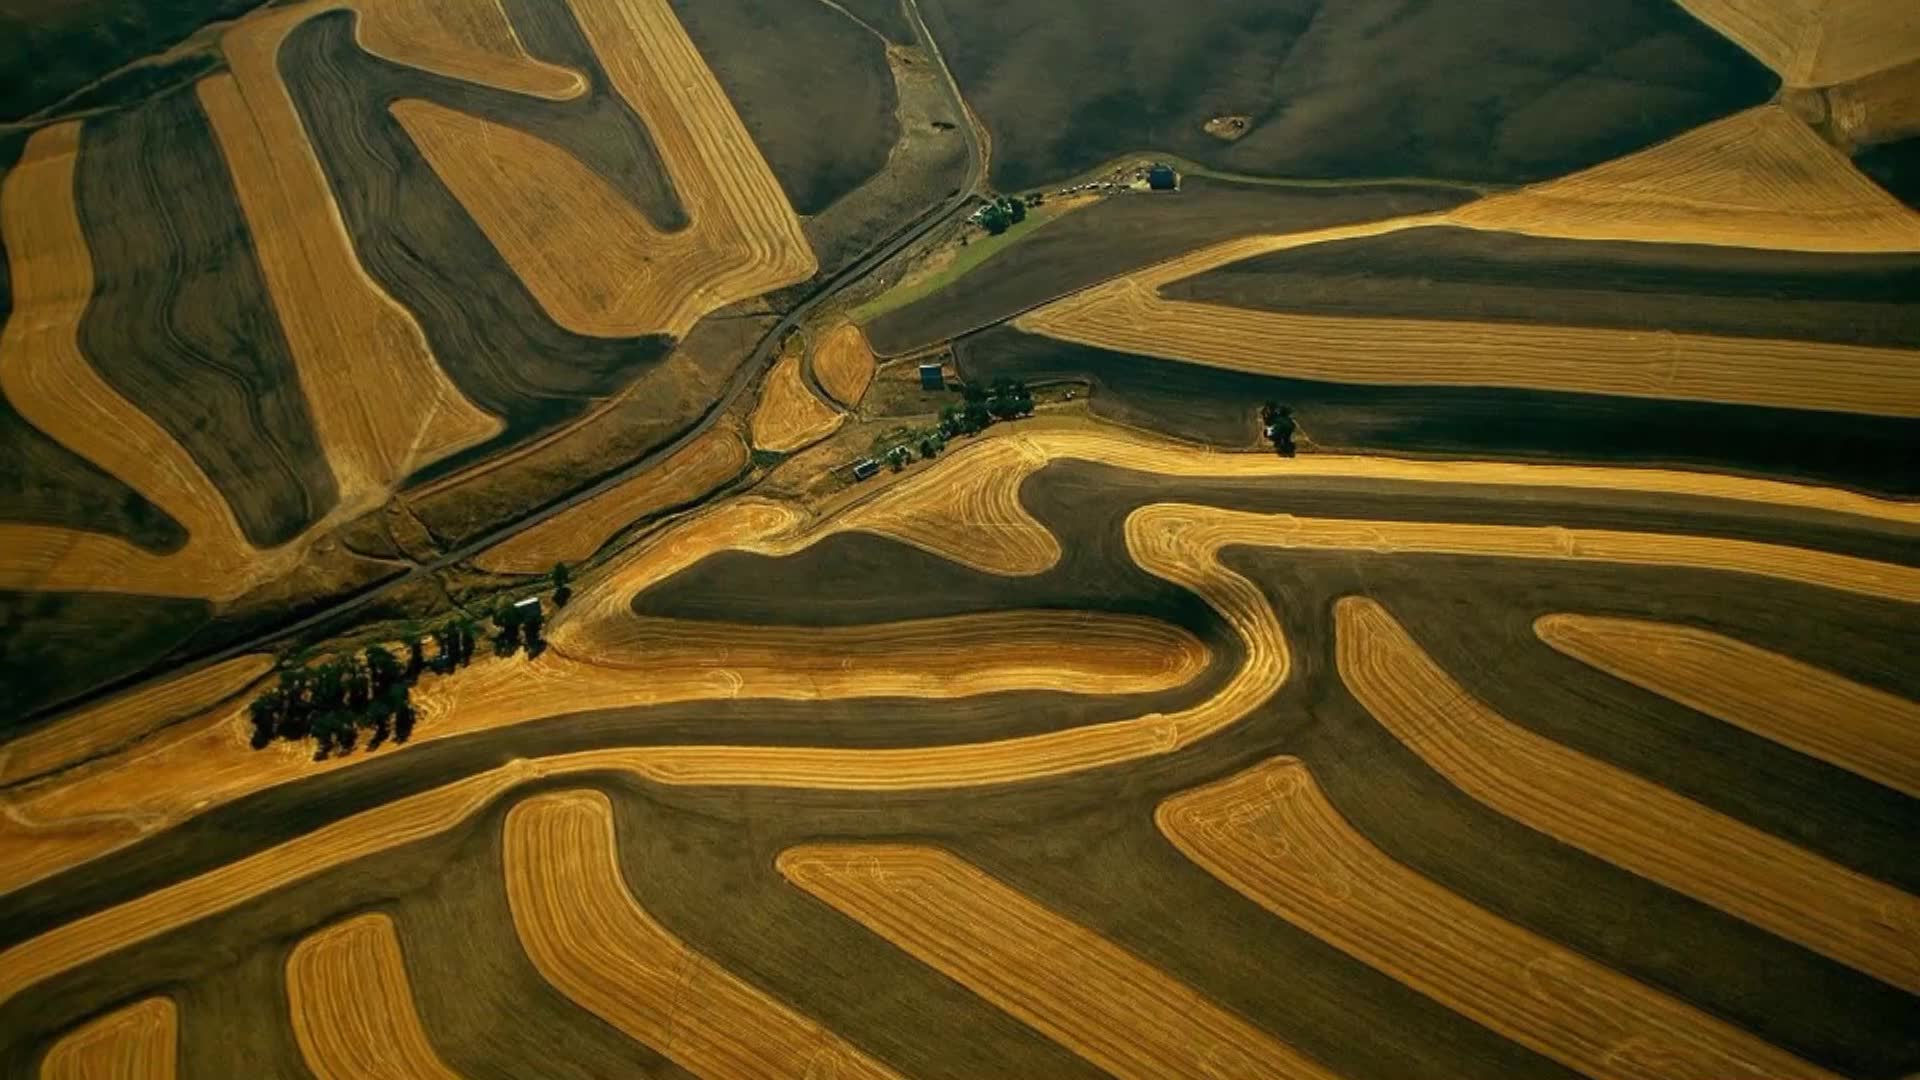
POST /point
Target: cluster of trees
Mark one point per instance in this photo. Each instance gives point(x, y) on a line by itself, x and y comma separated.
point(334, 701)
point(1276, 421)
point(1003, 213)
point(518, 625)
point(1004, 400)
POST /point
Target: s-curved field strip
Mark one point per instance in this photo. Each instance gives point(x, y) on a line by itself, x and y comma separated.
point(589, 938)
point(1272, 834)
point(594, 661)
point(352, 1006)
point(1621, 818)
point(1858, 728)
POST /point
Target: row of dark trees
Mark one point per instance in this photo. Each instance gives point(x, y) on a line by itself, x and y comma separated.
point(334, 701)
point(1005, 399)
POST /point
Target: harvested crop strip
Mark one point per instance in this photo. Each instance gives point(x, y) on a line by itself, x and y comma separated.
point(789, 416)
point(574, 535)
point(1816, 42)
point(1759, 179)
point(352, 1005)
point(381, 403)
point(542, 207)
point(100, 728)
point(1272, 834)
point(463, 39)
point(591, 940)
point(1079, 989)
point(140, 1040)
point(1858, 728)
point(1614, 815)
point(843, 362)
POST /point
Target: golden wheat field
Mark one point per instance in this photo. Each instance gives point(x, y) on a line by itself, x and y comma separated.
point(1485, 657)
point(1858, 728)
point(843, 362)
point(1271, 834)
point(590, 939)
point(681, 478)
point(1619, 817)
point(1078, 988)
point(789, 415)
point(137, 1041)
point(352, 1006)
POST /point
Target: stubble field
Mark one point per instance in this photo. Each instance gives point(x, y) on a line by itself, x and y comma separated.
point(1547, 711)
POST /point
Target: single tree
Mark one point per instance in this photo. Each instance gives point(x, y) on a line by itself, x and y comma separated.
point(383, 669)
point(1016, 210)
point(507, 618)
point(562, 592)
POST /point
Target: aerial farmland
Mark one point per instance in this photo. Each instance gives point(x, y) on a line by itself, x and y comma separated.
point(960, 538)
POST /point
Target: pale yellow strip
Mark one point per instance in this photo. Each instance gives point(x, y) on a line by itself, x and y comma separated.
point(577, 533)
point(1865, 731)
point(789, 416)
point(1759, 179)
point(1816, 42)
point(1616, 816)
point(462, 39)
point(98, 728)
point(139, 1042)
point(381, 405)
point(352, 1006)
point(545, 209)
point(1127, 315)
point(1072, 985)
point(51, 383)
point(1271, 834)
point(597, 945)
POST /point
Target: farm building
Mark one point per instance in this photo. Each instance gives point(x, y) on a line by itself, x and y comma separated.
point(931, 377)
point(1161, 177)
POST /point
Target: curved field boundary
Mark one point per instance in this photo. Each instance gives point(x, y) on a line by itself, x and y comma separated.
point(1129, 315)
point(694, 470)
point(1816, 42)
point(51, 384)
point(631, 663)
point(599, 947)
point(1614, 815)
point(1758, 178)
point(1860, 729)
point(956, 656)
point(1880, 108)
point(471, 40)
point(69, 824)
point(789, 416)
point(1072, 985)
point(843, 362)
point(98, 729)
point(969, 513)
point(1271, 834)
point(352, 1005)
point(140, 1041)
point(382, 406)
point(595, 263)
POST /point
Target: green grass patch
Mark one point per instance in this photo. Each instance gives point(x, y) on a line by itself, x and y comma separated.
point(968, 259)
